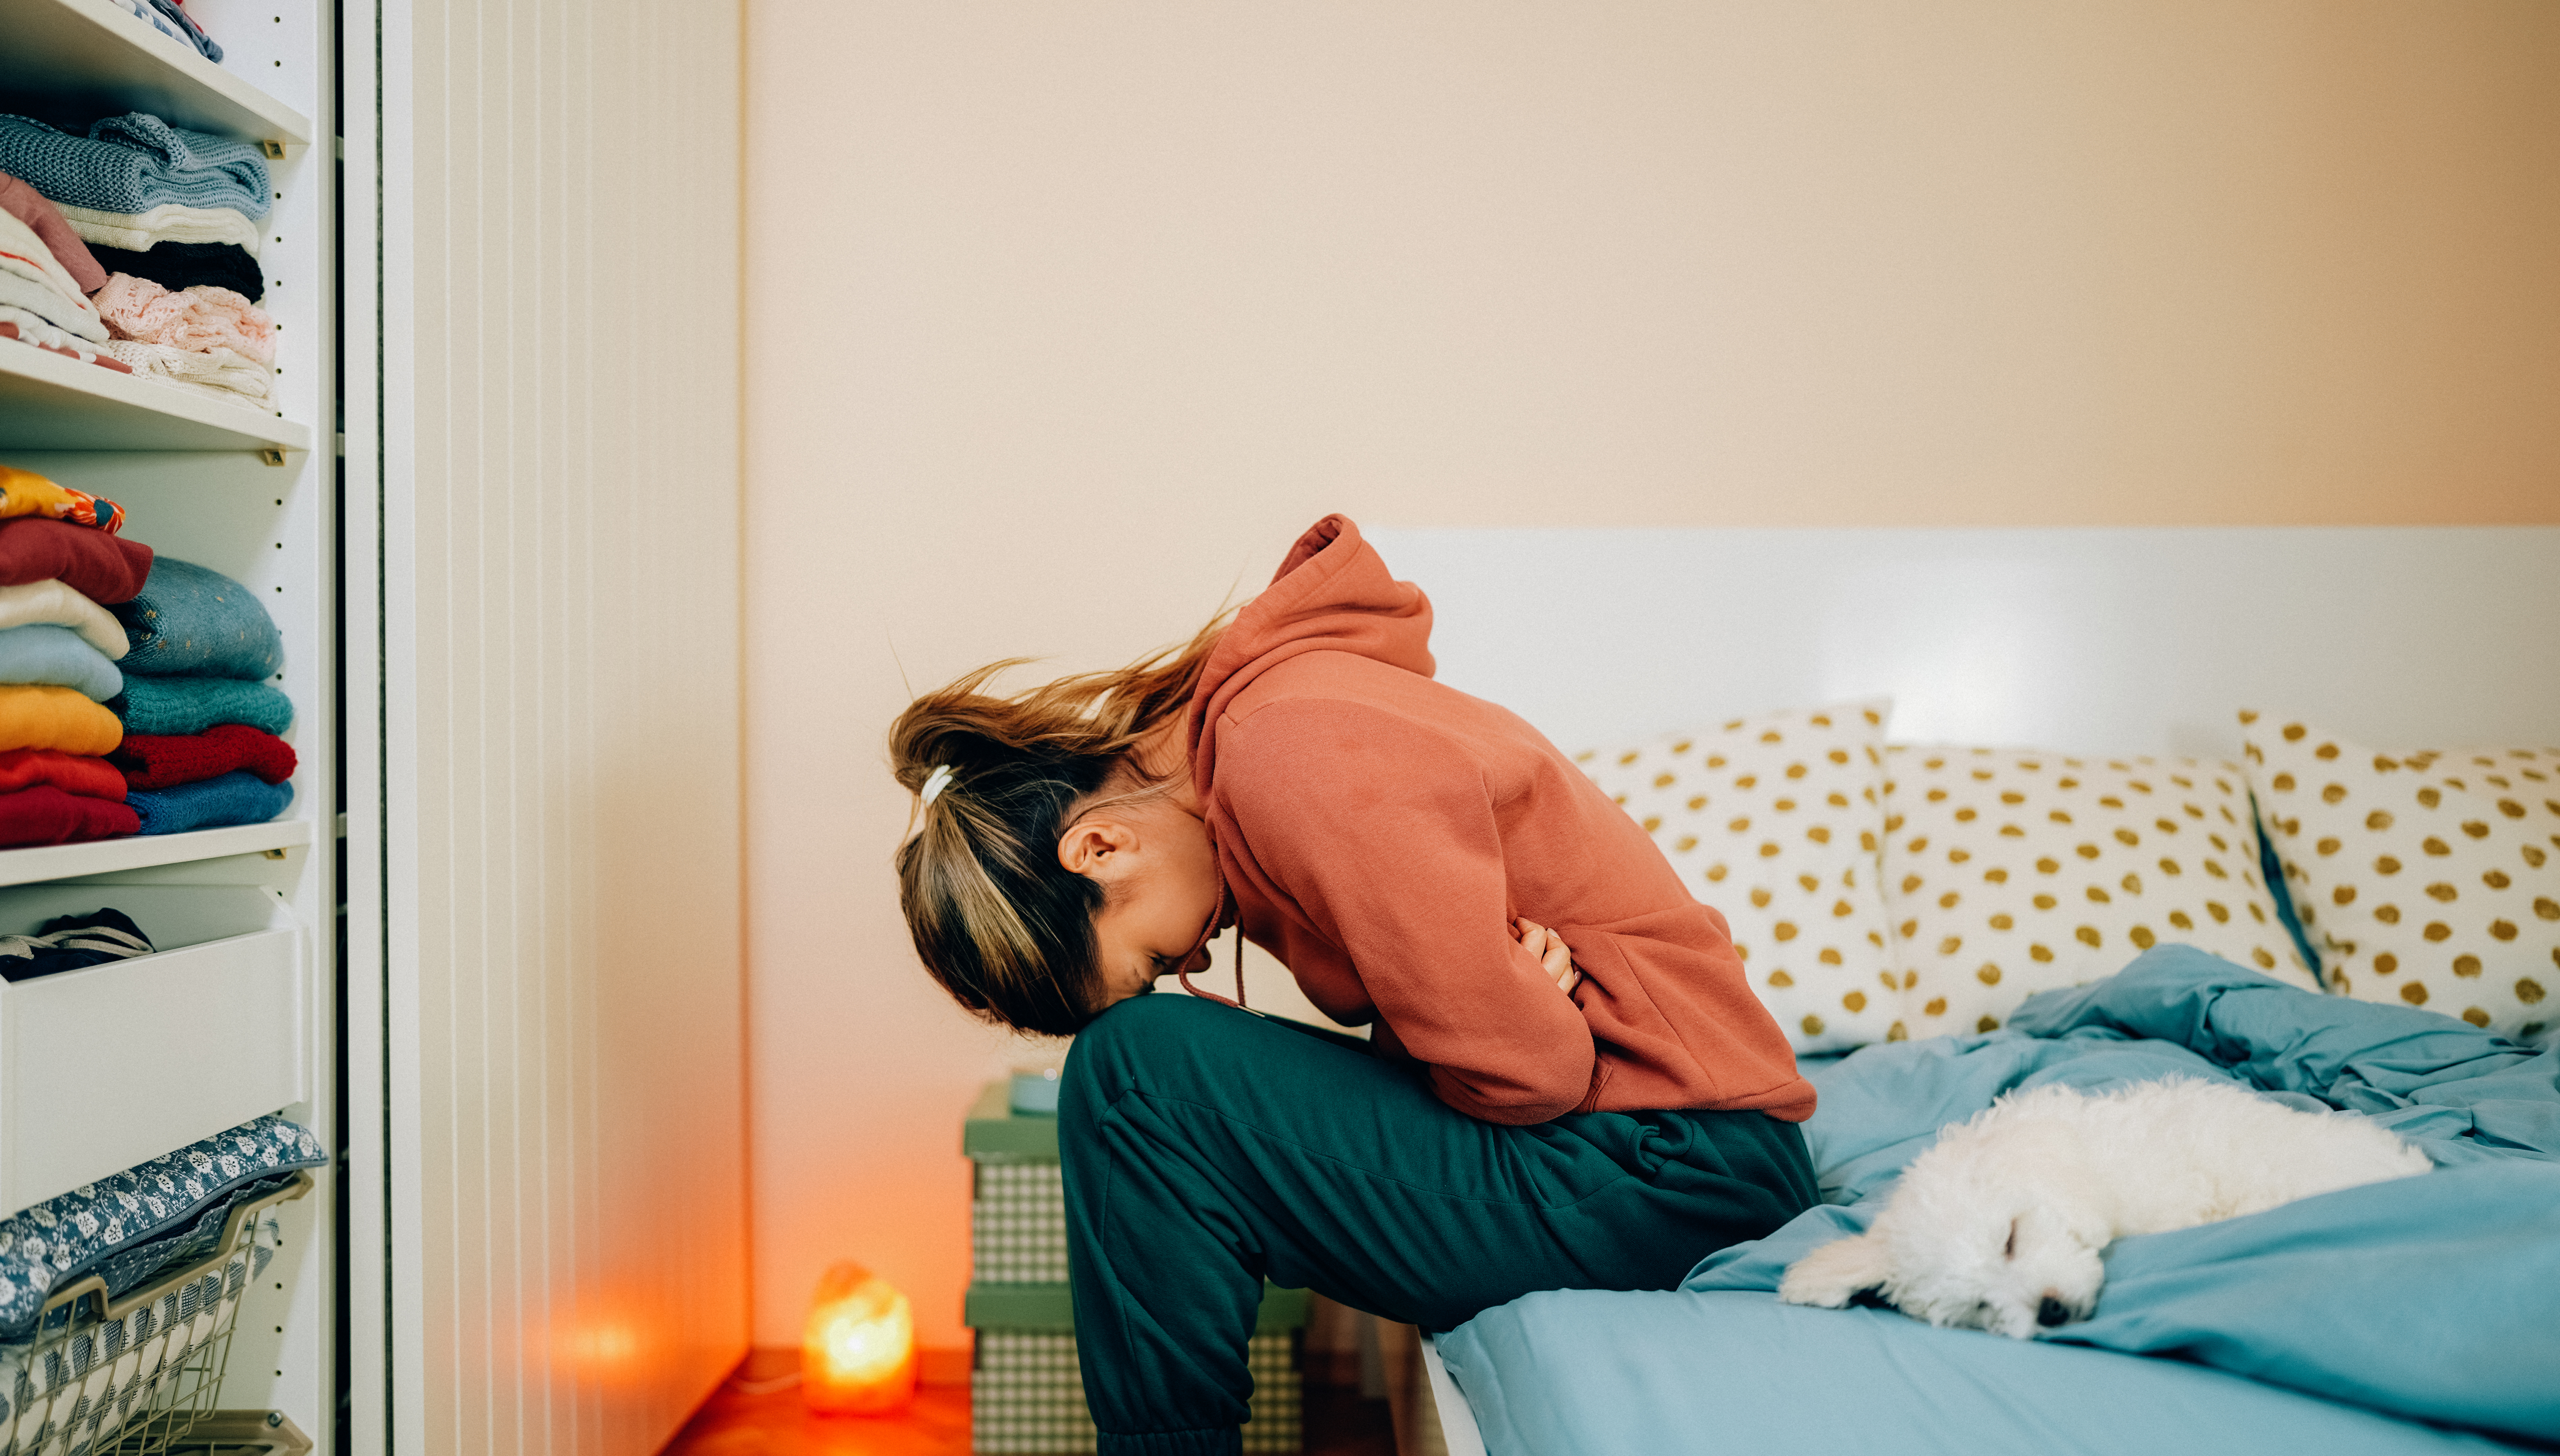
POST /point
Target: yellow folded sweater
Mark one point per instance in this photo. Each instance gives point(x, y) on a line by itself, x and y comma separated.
point(44, 716)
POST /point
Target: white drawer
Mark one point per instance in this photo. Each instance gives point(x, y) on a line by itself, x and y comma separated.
point(108, 1066)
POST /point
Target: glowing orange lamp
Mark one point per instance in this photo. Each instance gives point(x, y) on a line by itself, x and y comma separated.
point(858, 1353)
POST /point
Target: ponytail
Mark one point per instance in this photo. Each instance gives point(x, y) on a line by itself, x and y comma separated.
point(1005, 927)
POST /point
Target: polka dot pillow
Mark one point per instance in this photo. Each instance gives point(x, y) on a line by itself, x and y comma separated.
point(2011, 872)
point(2426, 879)
point(1775, 821)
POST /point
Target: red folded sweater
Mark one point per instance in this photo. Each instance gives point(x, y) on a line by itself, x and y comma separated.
point(104, 568)
point(47, 815)
point(72, 773)
point(161, 761)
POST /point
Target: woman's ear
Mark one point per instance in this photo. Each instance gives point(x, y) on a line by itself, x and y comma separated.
point(1097, 849)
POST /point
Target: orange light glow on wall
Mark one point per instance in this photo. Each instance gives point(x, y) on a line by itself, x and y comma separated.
point(857, 1354)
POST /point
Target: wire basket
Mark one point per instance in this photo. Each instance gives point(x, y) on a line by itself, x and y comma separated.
point(134, 1376)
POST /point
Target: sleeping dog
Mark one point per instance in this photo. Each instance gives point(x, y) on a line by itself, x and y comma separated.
point(1999, 1226)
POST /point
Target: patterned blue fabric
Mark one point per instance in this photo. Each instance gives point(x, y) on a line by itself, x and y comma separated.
point(237, 797)
point(46, 652)
point(134, 163)
point(64, 1239)
point(193, 621)
point(182, 706)
point(137, 1264)
point(54, 1391)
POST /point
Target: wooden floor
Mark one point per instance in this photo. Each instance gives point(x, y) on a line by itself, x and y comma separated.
point(755, 1414)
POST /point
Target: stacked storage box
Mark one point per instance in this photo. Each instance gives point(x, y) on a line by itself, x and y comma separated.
point(1027, 1397)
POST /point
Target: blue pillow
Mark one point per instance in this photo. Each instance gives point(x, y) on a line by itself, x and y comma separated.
point(65, 1239)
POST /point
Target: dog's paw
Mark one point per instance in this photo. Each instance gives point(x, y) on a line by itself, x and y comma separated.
point(1830, 1275)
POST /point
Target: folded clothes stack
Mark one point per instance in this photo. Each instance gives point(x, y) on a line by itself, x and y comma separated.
point(201, 721)
point(155, 719)
point(169, 18)
point(72, 943)
point(175, 214)
point(60, 561)
point(45, 270)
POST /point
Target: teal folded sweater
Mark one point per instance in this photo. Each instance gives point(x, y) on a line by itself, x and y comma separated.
point(194, 621)
point(180, 705)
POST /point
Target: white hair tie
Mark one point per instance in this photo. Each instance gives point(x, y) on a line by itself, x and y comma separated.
point(935, 783)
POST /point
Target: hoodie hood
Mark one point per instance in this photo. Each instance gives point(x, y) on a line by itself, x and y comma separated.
point(1331, 593)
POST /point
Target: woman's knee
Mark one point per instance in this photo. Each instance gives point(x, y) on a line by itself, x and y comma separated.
point(1128, 1044)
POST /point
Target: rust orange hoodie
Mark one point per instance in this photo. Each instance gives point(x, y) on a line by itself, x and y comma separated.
point(1378, 832)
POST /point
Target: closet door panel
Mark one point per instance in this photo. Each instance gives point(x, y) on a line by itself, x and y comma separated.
point(561, 503)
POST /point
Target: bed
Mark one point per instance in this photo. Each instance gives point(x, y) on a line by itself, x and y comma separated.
point(2414, 1317)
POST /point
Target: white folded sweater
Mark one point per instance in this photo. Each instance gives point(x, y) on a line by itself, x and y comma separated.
point(217, 372)
point(167, 223)
point(49, 291)
point(52, 601)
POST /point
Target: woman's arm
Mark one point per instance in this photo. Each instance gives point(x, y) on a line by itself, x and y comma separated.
point(1384, 836)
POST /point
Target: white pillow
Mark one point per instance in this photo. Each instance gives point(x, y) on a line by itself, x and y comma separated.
point(2426, 879)
point(2008, 872)
point(1775, 822)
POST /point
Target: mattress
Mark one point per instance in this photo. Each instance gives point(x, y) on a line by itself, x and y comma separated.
point(2415, 1316)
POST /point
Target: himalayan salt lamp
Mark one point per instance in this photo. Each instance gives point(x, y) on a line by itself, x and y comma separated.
point(857, 1352)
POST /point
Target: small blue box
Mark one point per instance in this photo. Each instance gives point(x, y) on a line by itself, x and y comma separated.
point(1035, 1093)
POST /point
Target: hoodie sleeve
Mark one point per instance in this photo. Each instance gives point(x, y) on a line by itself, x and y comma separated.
point(1383, 834)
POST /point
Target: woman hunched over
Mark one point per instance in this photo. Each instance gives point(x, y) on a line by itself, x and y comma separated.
point(1568, 1082)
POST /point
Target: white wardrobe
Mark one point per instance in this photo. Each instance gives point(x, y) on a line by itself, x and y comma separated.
point(492, 955)
point(105, 1068)
point(545, 990)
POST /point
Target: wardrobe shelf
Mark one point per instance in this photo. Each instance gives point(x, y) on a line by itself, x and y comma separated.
point(95, 57)
point(53, 401)
point(40, 863)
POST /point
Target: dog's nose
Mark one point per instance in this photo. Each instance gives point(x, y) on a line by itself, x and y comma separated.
point(2052, 1312)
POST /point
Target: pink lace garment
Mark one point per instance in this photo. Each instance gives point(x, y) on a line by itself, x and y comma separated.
point(198, 320)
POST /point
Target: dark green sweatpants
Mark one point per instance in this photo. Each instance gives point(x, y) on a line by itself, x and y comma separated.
point(1206, 1148)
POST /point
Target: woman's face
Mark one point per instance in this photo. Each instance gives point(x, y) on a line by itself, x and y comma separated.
point(1160, 890)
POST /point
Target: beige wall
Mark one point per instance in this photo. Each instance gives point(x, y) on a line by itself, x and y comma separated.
point(1062, 319)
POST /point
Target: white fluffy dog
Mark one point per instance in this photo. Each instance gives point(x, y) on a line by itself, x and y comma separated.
point(1999, 1226)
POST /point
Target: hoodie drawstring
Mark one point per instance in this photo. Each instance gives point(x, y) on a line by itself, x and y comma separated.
point(1211, 934)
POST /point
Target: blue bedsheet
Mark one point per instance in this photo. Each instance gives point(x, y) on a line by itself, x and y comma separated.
point(2434, 1299)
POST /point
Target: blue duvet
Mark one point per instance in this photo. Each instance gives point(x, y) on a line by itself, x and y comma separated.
point(2433, 1300)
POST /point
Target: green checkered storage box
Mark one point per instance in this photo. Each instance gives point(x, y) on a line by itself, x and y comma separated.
point(1027, 1397)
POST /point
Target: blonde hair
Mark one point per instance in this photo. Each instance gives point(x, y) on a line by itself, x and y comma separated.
point(1005, 927)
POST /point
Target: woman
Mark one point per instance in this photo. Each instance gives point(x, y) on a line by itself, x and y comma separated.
point(1568, 1082)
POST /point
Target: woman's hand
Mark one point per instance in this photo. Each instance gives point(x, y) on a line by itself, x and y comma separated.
point(1553, 956)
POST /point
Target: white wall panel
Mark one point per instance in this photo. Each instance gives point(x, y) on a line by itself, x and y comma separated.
point(560, 654)
point(2100, 641)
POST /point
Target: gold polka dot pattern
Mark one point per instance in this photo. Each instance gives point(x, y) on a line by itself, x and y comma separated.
point(2426, 878)
point(1776, 822)
point(2009, 872)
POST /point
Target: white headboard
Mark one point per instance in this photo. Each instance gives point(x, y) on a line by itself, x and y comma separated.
point(2096, 640)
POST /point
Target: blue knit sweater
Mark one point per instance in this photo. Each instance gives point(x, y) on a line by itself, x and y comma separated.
point(134, 163)
point(194, 621)
point(237, 797)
